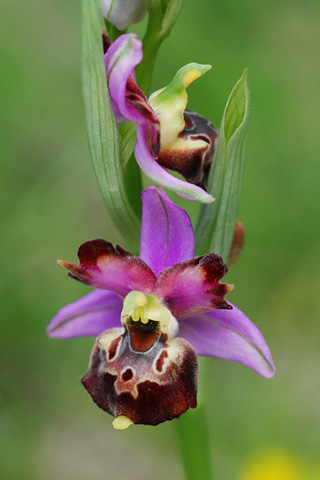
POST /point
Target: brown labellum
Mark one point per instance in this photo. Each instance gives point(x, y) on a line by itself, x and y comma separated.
point(193, 163)
point(135, 372)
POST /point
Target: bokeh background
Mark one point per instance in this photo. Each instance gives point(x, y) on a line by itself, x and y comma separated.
point(51, 204)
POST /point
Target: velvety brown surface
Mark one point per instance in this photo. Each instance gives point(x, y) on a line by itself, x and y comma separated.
point(130, 383)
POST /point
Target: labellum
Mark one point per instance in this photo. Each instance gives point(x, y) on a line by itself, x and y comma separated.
point(195, 146)
point(140, 376)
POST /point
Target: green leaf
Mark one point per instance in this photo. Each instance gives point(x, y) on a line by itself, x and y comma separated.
point(102, 130)
point(128, 139)
point(214, 231)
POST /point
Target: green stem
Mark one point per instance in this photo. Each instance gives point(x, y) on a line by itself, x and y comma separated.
point(193, 435)
point(151, 43)
point(162, 16)
point(112, 31)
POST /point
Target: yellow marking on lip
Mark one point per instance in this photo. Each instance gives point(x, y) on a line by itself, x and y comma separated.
point(191, 76)
point(105, 339)
point(122, 422)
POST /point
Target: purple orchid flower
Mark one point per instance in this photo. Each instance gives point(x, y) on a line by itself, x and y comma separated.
point(168, 135)
point(153, 315)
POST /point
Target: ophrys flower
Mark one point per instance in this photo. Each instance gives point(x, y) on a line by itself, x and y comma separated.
point(168, 135)
point(153, 315)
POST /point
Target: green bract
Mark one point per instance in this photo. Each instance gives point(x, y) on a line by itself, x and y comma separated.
point(215, 227)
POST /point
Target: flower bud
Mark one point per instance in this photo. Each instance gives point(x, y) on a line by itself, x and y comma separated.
point(122, 13)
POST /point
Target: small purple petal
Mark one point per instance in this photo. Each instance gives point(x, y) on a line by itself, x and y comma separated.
point(121, 58)
point(160, 175)
point(166, 232)
point(110, 268)
point(193, 287)
point(90, 315)
point(230, 335)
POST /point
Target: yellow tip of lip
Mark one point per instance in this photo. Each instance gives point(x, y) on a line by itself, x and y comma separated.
point(122, 422)
point(191, 76)
point(230, 287)
point(63, 263)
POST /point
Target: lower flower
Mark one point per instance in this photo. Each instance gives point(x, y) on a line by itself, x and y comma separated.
point(153, 315)
point(141, 373)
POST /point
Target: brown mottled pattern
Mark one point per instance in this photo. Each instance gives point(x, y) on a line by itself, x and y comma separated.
point(127, 375)
point(160, 361)
point(133, 386)
point(113, 347)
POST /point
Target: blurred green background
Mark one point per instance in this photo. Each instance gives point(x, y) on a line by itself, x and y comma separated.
point(51, 204)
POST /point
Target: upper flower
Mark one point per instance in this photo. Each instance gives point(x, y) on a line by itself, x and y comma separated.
point(169, 307)
point(122, 13)
point(168, 135)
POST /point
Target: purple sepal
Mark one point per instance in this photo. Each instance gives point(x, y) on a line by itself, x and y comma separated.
point(230, 335)
point(166, 233)
point(90, 315)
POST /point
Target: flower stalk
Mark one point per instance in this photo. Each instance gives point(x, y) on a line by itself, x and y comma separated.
point(162, 17)
point(193, 435)
point(214, 232)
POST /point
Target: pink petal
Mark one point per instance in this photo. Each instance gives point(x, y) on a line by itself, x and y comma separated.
point(166, 232)
point(90, 315)
point(193, 287)
point(111, 268)
point(230, 335)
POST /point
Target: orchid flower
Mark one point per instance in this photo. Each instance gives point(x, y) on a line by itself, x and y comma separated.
point(153, 315)
point(122, 13)
point(168, 135)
